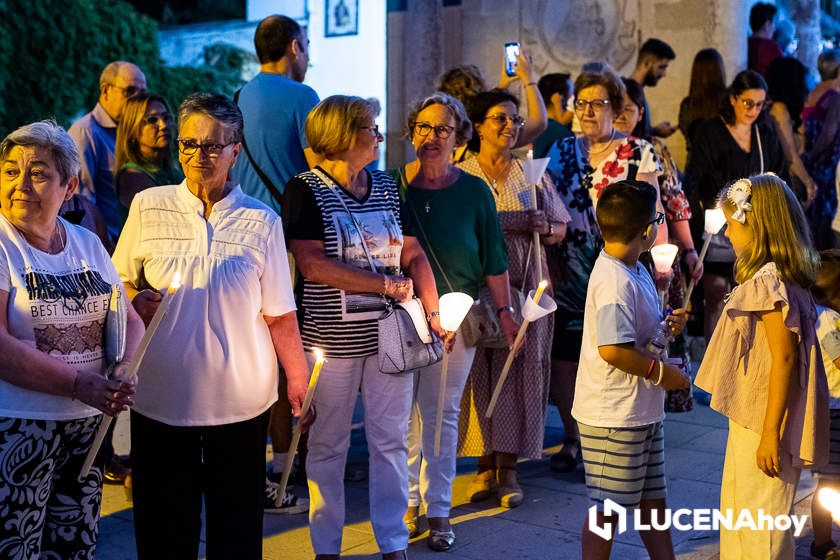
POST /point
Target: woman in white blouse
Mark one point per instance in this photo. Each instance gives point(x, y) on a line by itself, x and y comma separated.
point(210, 374)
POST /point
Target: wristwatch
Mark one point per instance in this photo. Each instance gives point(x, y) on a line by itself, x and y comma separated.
point(432, 314)
point(504, 308)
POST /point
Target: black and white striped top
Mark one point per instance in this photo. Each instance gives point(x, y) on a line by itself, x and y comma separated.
point(343, 324)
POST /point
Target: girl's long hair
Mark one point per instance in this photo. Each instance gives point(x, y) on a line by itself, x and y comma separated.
point(708, 84)
point(127, 149)
point(780, 233)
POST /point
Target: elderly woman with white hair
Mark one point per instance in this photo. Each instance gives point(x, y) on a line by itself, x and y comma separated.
point(210, 375)
point(459, 230)
point(354, 246)
point(56, 280)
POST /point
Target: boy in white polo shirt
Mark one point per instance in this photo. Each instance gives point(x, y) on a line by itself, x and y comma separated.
point(620, 388)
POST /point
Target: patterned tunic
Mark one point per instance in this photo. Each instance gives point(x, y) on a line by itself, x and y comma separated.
point(518, 421)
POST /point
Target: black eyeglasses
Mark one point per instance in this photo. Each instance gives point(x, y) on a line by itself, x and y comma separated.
point(128, 91)
point(501, 120)
point(658, 220)
point(442, 131)
point(190, 147)
point(373, 130)
point(155, 120)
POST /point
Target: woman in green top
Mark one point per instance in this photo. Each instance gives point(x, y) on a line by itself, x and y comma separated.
point(459, 230)
point(143, 150)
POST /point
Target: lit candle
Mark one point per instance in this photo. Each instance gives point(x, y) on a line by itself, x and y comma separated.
point(454, 306)
point(663, 259)
point(512, 353)
point(714, 219)
point(133, 367)
point(829, 498)
point(304, 410)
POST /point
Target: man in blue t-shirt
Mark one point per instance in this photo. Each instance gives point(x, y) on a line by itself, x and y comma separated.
point(275, 105)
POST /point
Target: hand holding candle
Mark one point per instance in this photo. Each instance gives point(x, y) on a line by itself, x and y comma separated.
point(715, 219)
point(454, 306)
point(131, 373)
point(534, 309)
point(304, 411)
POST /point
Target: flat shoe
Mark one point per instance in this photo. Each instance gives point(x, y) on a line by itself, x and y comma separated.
point(565, 460)
point(510, 497)
point(482, 486)
point(441, 541)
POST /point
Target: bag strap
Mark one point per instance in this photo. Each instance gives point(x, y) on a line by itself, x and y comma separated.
point(760, 150)
point(273, 191)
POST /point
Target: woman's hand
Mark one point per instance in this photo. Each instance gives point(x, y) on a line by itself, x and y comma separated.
point(523, 71)
point(399, 288)
point(694, 265)
point(111, 396)
point(767, 455)
point(145, 303)
point(536, 220)
point(510, 328)
point(676, 320)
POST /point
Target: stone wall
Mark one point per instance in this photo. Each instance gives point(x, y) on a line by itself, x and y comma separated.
point(560, 35)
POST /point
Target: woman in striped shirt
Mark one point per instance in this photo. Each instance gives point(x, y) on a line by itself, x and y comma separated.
point(354, 247)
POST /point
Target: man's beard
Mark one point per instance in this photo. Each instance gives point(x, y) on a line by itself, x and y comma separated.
point(650, 80)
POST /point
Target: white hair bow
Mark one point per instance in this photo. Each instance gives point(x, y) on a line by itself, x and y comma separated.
point(739, 194)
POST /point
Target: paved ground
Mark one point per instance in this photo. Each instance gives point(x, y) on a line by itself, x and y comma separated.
point(546, 526)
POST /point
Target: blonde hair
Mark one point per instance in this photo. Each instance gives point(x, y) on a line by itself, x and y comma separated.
point(780, 233)
point(127, 146)
point(332, 126)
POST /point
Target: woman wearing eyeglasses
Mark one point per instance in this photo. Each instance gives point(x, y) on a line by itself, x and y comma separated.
point(143, 149)
point(354, 246)
point(516, 428)
point(582, 167)
point(740, 142)
point(456, 222)
point(210, 375)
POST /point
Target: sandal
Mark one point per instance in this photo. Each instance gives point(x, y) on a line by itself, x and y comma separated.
point(827, 551)
point(483, 485)
point(411, 521)
point(441, 541)
point(510, 495)
point(566, 460)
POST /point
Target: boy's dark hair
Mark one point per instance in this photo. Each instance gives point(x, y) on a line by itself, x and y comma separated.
point(625, 209)
point(658, 49)
point(760, 14)
point(274, 36)
point(554, 83)
point(827, 288)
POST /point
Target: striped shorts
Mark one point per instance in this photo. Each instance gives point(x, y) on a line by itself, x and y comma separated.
point(626, 465)
point(831, 471)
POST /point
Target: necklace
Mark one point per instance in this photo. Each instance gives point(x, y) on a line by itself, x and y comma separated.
point(604, 149)
point(494, 180)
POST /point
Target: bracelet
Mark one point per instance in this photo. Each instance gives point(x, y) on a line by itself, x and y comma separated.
point(432, 315)
point(531, 84)
point(690, 250)
point(661, 372)
point(74, 395)
point(500, 310)
point(650, 368)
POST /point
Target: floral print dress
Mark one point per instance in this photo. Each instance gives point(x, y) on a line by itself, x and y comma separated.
point(580, 186)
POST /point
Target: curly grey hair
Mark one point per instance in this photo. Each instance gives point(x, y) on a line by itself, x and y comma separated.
point(463, 126)
point(50, 136)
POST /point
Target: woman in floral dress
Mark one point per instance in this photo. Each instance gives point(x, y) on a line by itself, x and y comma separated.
point(582, 168)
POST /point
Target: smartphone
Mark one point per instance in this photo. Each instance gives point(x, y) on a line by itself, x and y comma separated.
point(511, 54)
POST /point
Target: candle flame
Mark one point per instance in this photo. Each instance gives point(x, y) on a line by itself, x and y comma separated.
point(176, 282)
point(319, 355)
point(530, 153)
point(543, 285)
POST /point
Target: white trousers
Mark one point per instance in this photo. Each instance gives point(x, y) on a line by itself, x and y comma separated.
point(433, 481)
point(387, 404)
point(744, 486)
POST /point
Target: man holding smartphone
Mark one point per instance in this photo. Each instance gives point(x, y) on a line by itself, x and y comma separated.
point(651, 66)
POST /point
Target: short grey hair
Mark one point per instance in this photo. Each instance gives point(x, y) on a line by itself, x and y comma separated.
point(218, 107)
point(47, 135)
point(463, 126)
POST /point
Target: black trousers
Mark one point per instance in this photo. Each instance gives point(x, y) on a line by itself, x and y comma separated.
point(175, 466)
